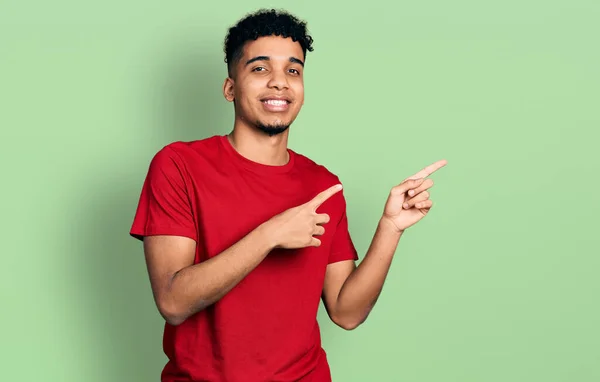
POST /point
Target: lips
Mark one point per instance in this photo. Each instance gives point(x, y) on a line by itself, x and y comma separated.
point(276, 99)
point(275, 103)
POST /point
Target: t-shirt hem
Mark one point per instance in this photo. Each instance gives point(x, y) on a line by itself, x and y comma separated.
point(342, 256)
point(140, 233)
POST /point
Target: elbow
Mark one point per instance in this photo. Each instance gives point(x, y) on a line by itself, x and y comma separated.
point(348, 323)
point(174, 320)
point(171, 313)
point(176, 313)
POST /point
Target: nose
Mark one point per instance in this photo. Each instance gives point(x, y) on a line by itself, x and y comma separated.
point(278, 80)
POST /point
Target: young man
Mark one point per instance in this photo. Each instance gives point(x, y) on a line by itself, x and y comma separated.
point(243, 236)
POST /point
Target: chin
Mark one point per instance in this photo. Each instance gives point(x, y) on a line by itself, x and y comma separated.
point(272, 129)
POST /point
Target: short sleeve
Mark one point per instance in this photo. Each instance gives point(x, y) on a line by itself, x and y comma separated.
point(342, 247)
point(164, 206)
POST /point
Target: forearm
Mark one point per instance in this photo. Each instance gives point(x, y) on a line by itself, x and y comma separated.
point(362, 288)
point(195, 287)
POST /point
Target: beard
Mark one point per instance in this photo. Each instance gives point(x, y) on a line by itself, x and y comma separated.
point(272, 129)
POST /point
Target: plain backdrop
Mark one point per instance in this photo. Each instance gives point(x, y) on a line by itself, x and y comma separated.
point(499, 283)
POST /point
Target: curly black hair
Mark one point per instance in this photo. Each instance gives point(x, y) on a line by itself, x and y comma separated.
point(264, 22)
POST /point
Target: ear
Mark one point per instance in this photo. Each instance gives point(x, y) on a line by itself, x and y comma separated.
point(228, 90)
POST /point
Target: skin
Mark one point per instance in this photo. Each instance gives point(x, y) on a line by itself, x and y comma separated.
point(272, 66)
point(280, 74)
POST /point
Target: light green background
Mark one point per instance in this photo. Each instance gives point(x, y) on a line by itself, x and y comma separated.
point(499, 284)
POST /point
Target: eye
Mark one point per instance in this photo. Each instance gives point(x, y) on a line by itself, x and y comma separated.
point(296, 71)
point(257, 69)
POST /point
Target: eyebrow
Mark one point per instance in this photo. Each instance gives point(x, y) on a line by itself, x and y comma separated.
point(266, 58)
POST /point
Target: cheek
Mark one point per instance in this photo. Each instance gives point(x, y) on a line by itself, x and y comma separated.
point(299, 92)
point(248, 91)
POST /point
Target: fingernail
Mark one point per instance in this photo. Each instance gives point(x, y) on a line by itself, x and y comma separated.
point(405, 205)
point(411, 192)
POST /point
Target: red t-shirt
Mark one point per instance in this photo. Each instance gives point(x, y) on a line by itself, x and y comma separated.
point(265, 328)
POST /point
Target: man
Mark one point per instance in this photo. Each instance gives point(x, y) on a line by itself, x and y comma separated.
point(243, 236)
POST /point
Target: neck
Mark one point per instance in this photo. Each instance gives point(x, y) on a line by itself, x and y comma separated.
point(258, 147)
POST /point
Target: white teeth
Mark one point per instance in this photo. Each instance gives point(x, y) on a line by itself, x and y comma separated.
point(276, 102)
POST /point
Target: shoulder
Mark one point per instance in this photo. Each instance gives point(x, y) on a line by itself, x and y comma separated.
point(320, 178)
point(182, 152)
point(199, 146)
point(318, 172)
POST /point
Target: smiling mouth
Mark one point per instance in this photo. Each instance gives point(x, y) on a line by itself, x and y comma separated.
point(276, 102)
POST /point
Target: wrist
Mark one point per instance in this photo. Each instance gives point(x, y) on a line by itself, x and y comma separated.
point(267, 235)
point(389, 227)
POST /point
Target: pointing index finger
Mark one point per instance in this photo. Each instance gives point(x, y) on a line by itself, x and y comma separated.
point(324, 195)
point(429, 169)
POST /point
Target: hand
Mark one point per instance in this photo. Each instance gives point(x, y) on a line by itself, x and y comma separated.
point(296, 227)
point(409, 201)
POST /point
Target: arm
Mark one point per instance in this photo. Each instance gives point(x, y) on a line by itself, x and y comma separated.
point(166, 223)
point(181, 288)
point(350, 292)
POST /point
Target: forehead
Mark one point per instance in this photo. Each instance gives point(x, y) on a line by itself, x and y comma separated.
point(275, 47)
